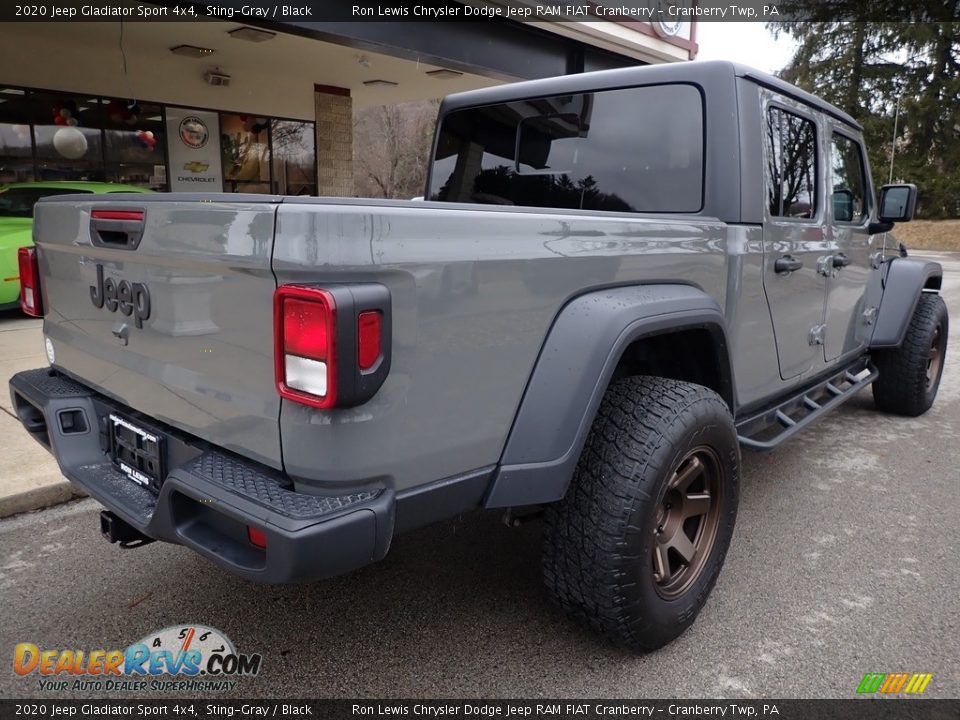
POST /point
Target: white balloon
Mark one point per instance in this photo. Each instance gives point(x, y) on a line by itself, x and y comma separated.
point(70, 142)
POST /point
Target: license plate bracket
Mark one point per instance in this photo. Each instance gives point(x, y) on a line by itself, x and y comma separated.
point(137, 452)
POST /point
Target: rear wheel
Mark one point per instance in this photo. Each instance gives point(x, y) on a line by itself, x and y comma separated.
point(635, 546)
point(910, 374)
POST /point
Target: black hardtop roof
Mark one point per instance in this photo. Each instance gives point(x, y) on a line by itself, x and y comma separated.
point(705, 72)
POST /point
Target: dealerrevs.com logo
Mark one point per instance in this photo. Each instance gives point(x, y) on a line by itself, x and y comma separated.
point(185, 657)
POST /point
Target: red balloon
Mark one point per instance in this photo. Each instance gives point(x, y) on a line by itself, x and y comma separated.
point(60, 120)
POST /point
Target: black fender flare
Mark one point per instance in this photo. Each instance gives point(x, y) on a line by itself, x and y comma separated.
point(574, 368)
point(905, 279)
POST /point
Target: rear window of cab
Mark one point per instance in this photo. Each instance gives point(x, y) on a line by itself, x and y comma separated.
point(629, 150)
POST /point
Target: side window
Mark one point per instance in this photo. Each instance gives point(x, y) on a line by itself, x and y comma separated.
point(791, 150)
point(849, 180)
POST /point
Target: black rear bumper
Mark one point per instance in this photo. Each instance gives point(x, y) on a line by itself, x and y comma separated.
point(209, 498)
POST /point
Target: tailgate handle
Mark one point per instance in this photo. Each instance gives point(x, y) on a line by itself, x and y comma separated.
point(121, 229)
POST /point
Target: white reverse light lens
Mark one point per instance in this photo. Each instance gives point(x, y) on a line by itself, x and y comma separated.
point(306, 375)
point(51, 356)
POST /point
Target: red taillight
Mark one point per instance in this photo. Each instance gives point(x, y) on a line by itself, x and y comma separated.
point(369, 334)
point(30, 301)
point(305, 328)
point(332, 345)
point(257, 537)
point(305, 347)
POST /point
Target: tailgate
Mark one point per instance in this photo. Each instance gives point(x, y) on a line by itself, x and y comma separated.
point(170, 315)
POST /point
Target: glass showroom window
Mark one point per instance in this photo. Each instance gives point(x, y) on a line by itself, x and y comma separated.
point(16, 142)
point(245, 148)
point(135, 138)
point(67, 136)
point(294, 157)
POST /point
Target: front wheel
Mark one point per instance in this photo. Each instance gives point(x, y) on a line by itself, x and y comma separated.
point(636, 545)
point(910, 374)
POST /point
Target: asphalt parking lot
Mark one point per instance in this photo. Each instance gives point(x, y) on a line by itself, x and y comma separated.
point(845, 561)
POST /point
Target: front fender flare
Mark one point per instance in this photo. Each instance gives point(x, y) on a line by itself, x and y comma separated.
point(906, 278)
point(572, 372)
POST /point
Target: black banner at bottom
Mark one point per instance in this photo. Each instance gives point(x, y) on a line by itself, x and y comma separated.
point(853, 709)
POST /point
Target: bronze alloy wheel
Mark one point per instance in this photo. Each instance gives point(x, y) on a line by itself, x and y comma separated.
point(935, 358)
point(687, 521)
point(635, 546)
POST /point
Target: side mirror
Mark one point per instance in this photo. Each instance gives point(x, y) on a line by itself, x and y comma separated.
point(897, 203)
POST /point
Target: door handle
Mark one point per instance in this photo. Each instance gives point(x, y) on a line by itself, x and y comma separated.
point(787, 264)
point(122, 229)
point(841, 260)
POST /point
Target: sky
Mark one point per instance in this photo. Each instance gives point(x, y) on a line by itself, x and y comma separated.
point(746, 42)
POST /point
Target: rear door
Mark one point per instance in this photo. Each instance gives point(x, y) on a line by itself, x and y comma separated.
point(850, 249)
point(165, 304)
point(793, 233)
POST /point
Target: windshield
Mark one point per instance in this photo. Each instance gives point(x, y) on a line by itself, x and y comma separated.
point(19, 202)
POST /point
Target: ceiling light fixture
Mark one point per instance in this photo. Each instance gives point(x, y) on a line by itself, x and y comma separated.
point(192, 51)
point(380, 83)
point(444, 74)
point(251, 34)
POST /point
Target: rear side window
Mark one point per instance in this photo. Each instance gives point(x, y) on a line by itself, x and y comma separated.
point(791, 158)
point(849, 180)
point(632, 150)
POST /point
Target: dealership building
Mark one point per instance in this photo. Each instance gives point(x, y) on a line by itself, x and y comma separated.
point(240, 105)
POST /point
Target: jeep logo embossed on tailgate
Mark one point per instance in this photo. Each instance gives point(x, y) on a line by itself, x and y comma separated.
point(129, 298)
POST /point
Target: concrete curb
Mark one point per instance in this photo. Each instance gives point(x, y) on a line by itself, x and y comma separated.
point(39, 498)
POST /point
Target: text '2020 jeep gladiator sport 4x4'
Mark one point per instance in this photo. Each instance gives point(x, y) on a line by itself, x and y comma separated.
point(617, 279)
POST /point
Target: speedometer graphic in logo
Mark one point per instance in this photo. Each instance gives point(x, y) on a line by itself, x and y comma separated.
point(198, 643)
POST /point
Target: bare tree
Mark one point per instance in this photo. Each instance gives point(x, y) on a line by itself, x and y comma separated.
point(392, 149)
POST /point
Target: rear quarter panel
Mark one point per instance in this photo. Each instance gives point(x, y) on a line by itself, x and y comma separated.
point(474, 292)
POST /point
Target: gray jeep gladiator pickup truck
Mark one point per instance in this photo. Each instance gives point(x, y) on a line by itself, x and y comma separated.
point(631, 273)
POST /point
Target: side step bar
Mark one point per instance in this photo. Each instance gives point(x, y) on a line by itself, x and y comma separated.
point(769, 428)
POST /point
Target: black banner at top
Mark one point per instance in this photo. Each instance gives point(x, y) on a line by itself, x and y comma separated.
point(621, 11)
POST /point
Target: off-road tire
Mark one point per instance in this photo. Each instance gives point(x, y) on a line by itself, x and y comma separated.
point(599, 541)
point(910, 374)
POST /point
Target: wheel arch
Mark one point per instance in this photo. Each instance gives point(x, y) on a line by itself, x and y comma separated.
point(905, 280)
point(595, 339)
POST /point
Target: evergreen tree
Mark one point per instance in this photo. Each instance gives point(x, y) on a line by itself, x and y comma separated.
point(864, 67)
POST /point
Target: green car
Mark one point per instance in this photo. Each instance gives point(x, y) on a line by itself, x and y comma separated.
point(16, 223)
